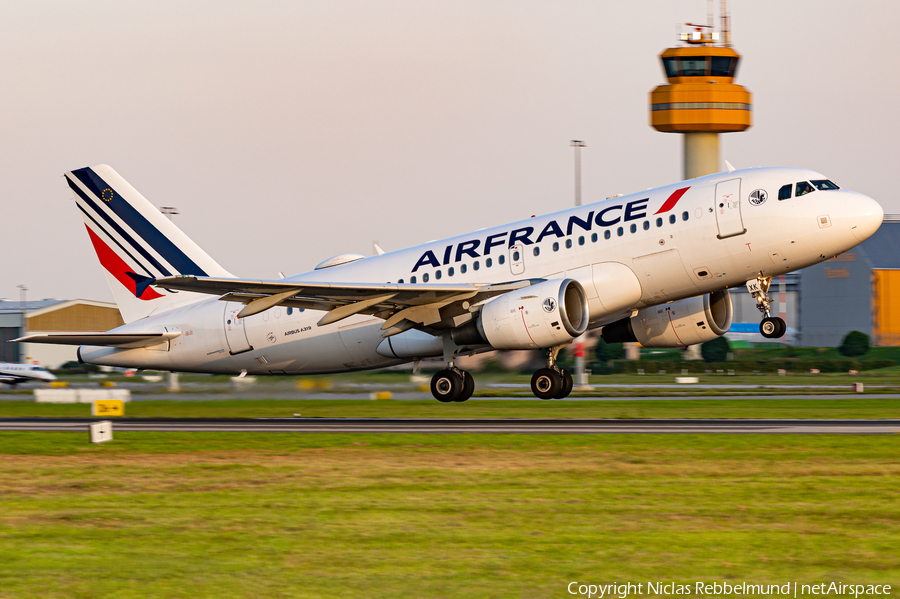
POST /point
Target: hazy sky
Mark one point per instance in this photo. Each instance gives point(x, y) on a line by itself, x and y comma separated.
point(288, 132)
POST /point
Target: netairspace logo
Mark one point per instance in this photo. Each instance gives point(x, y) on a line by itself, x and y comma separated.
point(719, 589)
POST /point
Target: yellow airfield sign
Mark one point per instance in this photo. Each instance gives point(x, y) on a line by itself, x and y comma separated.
point(108, 407)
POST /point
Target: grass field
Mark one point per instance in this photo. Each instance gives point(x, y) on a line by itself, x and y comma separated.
point(333, 515)
point(863, 407)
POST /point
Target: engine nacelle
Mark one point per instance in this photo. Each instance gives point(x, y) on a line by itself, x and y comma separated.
point(677, 324)
point(542, 315)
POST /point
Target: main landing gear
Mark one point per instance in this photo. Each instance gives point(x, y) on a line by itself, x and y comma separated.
point(452, 384)
point(552, 382)
point(771, 327)
point(455, 385)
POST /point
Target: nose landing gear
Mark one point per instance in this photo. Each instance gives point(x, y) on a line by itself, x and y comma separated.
point(771, 327)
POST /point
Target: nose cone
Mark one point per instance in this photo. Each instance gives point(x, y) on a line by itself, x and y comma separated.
point(865, 215)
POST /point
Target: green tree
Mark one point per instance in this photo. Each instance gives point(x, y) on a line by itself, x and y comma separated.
point(854, 344)
point(715, 350)
point(603, 351)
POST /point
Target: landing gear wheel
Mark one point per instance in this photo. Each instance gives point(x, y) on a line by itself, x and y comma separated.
point(546, 383)
point(567, 384)
point(782, 328)
point(446, 385)
point(468, 387)
point(770, 327)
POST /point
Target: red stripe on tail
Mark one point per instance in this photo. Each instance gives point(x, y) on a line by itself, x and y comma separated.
point(117, 267)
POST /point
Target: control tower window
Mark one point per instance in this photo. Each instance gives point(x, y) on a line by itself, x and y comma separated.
point(785, 192)
point(824, 185)
point(723, 66)
point(803, 188)
point(670, 66)
point(693, 67)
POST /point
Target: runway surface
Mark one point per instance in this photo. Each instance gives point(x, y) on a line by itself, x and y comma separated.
point(373, 425)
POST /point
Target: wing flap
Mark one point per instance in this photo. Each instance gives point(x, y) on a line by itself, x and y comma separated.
point(424, 305)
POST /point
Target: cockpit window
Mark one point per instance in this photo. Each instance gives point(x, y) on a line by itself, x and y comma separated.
point(803, 188)
point(824, 185)
point(785, 192)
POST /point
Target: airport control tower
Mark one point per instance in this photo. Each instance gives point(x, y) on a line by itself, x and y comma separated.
point(701, 99)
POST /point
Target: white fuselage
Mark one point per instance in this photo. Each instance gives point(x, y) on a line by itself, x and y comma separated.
point(719, 239)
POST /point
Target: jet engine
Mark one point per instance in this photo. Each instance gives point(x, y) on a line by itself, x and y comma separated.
point(542, 315)
point(676, 324)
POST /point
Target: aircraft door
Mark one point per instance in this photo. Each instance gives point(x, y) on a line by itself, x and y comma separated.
point(517, 259)
point(728, 208)
point(234, 329)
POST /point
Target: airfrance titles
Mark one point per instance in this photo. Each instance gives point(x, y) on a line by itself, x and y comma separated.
point(474, 248)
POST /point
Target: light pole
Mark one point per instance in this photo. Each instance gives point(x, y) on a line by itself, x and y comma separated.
point(173, 385)
point(577, 144)
point(23, 291)
point(580, 376)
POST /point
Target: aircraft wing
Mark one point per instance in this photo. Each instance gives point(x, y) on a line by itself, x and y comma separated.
point(401, 306)
point(124, 340)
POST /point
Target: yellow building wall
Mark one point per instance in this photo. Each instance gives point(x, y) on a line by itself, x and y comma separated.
point(79, 317)
point(886, 307)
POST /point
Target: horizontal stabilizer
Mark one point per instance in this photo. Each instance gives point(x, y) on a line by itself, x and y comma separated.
point(123, 340)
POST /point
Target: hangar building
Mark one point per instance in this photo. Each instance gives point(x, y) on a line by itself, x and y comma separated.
point(51, 316)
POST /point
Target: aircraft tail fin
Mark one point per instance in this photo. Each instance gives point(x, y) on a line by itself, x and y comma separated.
point(135, 243)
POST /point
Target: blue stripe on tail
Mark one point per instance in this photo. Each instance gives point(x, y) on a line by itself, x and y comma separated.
point(140, 225)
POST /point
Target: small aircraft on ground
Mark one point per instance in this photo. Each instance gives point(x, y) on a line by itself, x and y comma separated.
point(13, 374)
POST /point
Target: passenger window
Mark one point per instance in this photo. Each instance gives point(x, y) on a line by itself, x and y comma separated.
point(785, 192)
point(537, 251)
point(620, 231)
point(412, 280)
point(400, 281)
point(462, 269)
point(803, 188)
point(607, 234)
point(568, 243)
point(450, 272)
point(659, 222)
point(646, 224)
point(633, 227)
point(671, 219)
point(594, 237)
point(476, 266)
point(425, 278)
point(290, 310)
point(515, 256)
point(824, 184)
point(684, 216)
point(501, 259)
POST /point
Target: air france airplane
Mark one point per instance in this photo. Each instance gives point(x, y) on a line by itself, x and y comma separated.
point(13, 374)
point(652, 267)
